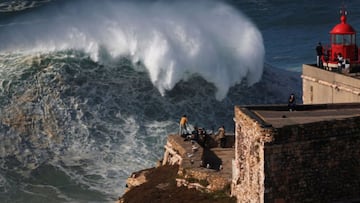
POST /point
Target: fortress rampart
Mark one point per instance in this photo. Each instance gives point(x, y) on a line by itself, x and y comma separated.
point(309, 155)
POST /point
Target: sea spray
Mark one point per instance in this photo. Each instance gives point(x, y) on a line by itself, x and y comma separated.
point(173, 40)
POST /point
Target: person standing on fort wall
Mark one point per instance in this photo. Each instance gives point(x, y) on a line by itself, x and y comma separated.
point(319, 52)
point(182, 125)
point(292, 103)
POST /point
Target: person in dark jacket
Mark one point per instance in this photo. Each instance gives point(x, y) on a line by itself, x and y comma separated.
point(319, 53)
point(292, 103)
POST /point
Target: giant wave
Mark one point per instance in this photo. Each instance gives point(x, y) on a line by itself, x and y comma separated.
point(89, 92)
point(173, 39)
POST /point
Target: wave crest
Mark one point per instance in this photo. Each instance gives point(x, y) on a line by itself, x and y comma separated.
point(174, 40)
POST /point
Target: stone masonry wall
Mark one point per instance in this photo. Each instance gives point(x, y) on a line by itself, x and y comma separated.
point(316, 162)
point(248, 170)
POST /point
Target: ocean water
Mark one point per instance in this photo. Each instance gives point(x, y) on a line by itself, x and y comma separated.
point(89, 90)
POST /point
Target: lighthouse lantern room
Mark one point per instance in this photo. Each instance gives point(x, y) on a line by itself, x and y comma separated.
point(342, 54)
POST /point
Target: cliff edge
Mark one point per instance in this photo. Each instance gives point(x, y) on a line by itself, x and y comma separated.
point(182, 177)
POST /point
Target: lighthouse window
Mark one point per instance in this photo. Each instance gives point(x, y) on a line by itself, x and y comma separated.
point(338, 39)
point(353, 39)
point(344, 39)
point(347, 39)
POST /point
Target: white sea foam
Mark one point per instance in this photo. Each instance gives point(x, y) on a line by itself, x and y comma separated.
point(113, 160)
point(3, 184)
point(11, 6)
point(173, 39)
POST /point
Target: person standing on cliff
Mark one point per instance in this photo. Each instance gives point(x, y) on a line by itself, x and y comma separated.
point(220, 136)
point(182, 125)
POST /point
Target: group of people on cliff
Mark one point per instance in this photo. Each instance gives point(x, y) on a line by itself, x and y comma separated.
point(199, 134)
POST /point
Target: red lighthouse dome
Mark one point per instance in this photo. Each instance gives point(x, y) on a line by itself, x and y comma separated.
point(343, 27)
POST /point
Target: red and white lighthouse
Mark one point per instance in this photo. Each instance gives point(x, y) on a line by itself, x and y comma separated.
point(343, 44)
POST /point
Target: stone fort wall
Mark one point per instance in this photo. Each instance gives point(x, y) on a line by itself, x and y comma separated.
point(248, 166)
point(314, 162)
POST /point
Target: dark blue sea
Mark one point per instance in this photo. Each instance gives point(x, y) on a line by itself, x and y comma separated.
point(89, 89)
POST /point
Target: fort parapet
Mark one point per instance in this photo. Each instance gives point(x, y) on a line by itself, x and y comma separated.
point(322, 86)
point(308, 155)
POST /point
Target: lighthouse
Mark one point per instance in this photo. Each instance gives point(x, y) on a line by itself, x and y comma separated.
point(342, 54)
point(337, 78)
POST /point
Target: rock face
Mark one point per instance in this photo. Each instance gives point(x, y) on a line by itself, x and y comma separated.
point(183, 176)
point(199, 164)
point(136, 179)
point(160, 186)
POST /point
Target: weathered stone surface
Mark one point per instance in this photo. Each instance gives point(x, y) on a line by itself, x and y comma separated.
point(297, 161)
point(192, 163)
point(191, 160)
point(161, 186)
point(318, 162)
point(250, 136)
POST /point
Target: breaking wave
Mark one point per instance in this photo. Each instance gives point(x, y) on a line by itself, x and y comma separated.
point(89, 90)
point(173, 40)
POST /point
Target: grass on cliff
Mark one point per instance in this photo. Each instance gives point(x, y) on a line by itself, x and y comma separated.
point(161, 188)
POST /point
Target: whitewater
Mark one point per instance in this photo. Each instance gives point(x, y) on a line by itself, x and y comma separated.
point(173, 40)
point(89, 90)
